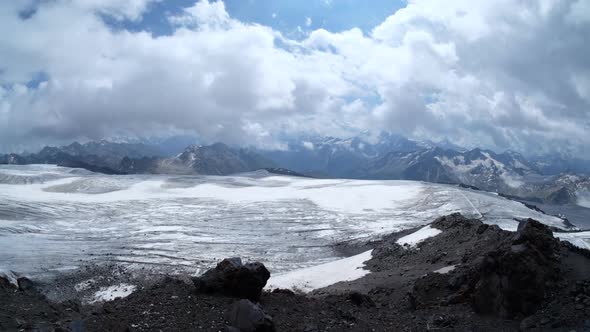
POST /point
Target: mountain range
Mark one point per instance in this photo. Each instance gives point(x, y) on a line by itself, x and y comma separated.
point(386, 156)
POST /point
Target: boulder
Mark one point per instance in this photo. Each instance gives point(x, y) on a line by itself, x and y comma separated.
point(25, 284)
point(246, 316)
point(231, 277)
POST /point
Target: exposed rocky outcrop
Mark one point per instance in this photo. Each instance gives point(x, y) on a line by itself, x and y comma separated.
point(514, 279)
point(11, 281)
point(231, 277)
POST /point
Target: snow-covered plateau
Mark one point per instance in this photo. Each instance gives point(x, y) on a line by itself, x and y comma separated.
point(55, 219)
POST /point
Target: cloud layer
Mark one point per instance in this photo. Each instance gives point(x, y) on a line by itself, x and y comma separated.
point(500, 74)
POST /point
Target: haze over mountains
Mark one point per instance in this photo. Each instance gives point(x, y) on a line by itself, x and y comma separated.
point(551, 179)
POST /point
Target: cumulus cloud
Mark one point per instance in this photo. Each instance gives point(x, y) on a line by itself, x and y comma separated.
point(500, 74)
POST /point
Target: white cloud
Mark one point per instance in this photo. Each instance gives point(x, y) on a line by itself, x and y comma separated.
point(308, 145)
point(204, 14)
point(500, 74)
point(308, 21)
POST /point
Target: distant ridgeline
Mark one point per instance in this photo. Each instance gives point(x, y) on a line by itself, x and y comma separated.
point(549, 180)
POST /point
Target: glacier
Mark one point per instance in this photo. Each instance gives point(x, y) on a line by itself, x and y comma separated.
point(56, 219)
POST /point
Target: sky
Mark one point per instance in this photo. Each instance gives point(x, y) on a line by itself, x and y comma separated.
point(499, 74)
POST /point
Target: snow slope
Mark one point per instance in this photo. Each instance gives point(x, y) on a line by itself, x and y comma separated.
point(66, 217)
point(311, 278)
point(420, 235)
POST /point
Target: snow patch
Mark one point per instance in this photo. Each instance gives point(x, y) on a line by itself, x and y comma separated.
point(579, 239)
point(110, 293)
point(445, 269)
point(84, 285)
point(420, 235)
point(319, 276)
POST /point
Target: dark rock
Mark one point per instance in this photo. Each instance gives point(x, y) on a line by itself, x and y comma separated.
point(246, 316)
point(536, 235)
point(509, 277)
point(514, 279)
point(528, 323)
point(438, 321)
point(231, 277)
point(5, 283)
point(310, 327)
point(25, 284)
point(455, 220)
point(8, 280)
point(360, 299)
point(482, 228)
point(283, 291)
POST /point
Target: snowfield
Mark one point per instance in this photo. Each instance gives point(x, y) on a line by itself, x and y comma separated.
point(323, 275)
point(420, 235)
point(54, 218)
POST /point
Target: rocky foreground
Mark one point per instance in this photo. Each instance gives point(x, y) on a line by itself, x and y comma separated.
point(470, 277)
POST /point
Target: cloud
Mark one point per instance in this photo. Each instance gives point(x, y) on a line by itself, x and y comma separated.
point(203, 14)
point(502, 75)
point(308, 21)
point(327, 3)
point(579, 12)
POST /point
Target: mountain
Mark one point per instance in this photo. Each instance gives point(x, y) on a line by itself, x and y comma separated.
point(132, 158)
point(384, 156)
point(508, 173)
point(557, 164)
point(112, 150)
point(339, 157)
point(391, 156)
point(395, 157)
point(170, 146)
point(560, 189)
point(103, 154)
point(479, 168)
point(215, 159)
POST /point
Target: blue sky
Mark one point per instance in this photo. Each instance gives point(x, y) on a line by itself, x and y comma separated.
point(283, 15)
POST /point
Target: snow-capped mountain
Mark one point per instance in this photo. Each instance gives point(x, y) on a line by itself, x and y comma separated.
point(480, 168)
point(394, 157)
point(385, 156)
point(559, 189)
point(215, 159)
point(340, 157)
point(389, 156)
